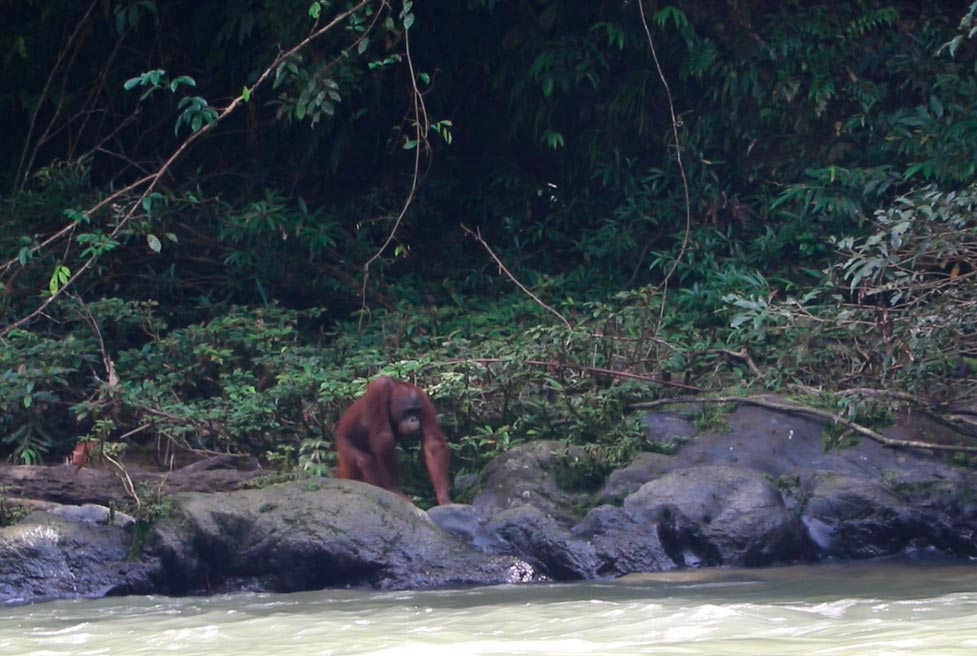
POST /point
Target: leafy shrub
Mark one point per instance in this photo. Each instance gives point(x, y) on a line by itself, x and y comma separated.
point(40, 377)
point(896, 307)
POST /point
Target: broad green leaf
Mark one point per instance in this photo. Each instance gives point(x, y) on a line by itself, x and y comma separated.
point(77, 216)
point(59, 278)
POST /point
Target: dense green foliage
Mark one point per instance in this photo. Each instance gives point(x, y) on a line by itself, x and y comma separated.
point(221, 218)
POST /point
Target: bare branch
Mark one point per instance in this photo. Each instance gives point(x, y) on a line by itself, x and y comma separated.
point(26, 163)
point(676, 122)
point(508, 274)
point(421, 125)
point(149, 182)
point(798, 408)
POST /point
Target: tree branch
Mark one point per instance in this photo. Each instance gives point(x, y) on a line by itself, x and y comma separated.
point(592, 370)
point(149, 182)
point(814, 412)
point(477, 234)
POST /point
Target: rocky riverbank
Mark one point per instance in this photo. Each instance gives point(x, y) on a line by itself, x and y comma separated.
point(760, 490)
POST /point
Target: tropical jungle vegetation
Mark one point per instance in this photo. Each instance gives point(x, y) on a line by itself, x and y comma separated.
point(220, 219)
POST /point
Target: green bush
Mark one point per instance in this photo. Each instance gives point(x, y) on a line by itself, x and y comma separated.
point(896, 308)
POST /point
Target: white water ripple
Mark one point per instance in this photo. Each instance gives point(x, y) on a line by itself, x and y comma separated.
point(871, 610)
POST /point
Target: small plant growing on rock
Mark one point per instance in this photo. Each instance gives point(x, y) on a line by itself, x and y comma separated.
point(11, 512)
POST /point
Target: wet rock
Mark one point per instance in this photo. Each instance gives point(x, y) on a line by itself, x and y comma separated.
point(622, 482)
point(765, 488)
point(623, 545)
point(457, 518)
point(528, 475)
point(720, 515)
point(532, 535)
point(47, 557)
point(667, 429)
point(91, 513)
point(313, 534)
point(852, 518)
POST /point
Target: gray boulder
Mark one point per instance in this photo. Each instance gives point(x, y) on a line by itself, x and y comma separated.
point(623, 545)
point(530, 534)
point(528, 475)
point(78, 554)
point(855, 518)
point(668, 429)
point(645, 467)
point(313, 534)
point(720, 515)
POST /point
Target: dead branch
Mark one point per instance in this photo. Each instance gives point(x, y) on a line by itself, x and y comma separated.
point(958, 418)
point(878, 393)
point(742, 355)
point(591, 370)
point(798, 408)
point(477, 234)
point(123, 475)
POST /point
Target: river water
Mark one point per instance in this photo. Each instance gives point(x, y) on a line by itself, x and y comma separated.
point(864, 610)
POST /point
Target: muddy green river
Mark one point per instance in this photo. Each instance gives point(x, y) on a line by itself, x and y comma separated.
point(863, 610)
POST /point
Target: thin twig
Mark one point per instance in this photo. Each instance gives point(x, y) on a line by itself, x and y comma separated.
point(25, 165)
point(742, 355)
point(137, 429)
point(112, 376)
point(420, 137)
point(124, 478)
point(477, 234)
point(588, 369)
point(676, 122)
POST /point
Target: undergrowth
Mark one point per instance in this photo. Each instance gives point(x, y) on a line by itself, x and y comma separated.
point(894, 310)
